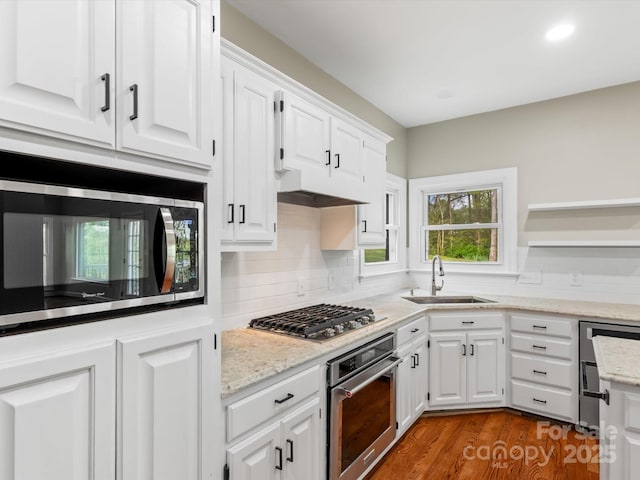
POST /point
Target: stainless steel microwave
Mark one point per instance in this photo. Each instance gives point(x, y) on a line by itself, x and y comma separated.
point(69, 251)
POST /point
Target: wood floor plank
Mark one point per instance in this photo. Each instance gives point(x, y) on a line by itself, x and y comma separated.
point(499, 445)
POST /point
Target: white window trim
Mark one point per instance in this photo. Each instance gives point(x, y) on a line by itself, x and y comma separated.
point(506, 179)
point(398, 186)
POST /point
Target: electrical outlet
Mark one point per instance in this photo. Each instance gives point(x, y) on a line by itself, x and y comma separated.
point(302, 287)
point(575, 279)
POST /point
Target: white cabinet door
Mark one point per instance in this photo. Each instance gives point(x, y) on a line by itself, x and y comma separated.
point(255, 200)
point(485, 366)
point(161, 418)
point(257, 457)
point(58, 68)
point(419, 383)
point(447, 368)
point(404, 397)
point(164, 78)
point(303, 132)
point(372, 216)
point(301, 434)
point(56, 416)
point(346, 153)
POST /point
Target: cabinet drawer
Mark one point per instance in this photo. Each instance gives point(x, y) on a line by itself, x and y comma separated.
point(559, 327)
point(465, 321)
point(548, 371)
point(543, 345)
point(545, 400)
point(412, 330)
point(251, 411)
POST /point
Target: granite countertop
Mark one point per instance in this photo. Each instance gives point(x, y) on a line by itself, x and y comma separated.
point(618, 359)
point(250, 356)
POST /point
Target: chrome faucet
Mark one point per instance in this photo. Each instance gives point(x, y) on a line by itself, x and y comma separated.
point(435, 288)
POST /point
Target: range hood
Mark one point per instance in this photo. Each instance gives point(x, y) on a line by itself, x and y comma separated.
point(311, 199)
point(314, 191)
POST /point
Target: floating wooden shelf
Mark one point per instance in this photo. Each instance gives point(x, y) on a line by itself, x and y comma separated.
point(584, 243)
point(615, 203)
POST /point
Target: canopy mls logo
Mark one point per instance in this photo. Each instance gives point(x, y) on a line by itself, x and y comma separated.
point(501, 456)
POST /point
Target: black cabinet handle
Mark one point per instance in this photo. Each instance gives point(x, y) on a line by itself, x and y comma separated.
point(471, 350)
point(290, 454)
point(134, 89)
point(242, 208)
point(285, 399)
point(414, 330)
point(543, 402)
point(337, 155)
point(106, 78)
point(464, 349)
point(413, 361)
point(365, 226)
point(279, 464)
point(468, 322)
point(231, 210)
point(539, 372)
point(539, 347)
point(417, 359)
point(540, 327)
point(328, 152)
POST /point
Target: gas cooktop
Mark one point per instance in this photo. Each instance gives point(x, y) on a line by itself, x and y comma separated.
point(318, 322)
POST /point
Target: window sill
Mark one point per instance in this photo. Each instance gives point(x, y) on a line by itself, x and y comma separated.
point(469, 272)
point(380, 274)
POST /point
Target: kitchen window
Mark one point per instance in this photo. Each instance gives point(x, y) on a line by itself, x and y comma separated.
point(392, 257)
point(469, 220)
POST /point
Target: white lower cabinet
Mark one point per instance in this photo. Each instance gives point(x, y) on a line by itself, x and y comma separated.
point(620, 432)
point(411, 390)
point(59, 409)
point(466, 367)
point(544, 365)
point(57, 415)
point(285, 449)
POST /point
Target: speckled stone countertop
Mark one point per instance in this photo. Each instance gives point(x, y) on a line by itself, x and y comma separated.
point(250, 356)
point(618, 359)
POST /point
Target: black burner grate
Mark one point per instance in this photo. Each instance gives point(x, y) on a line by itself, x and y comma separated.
point(308, 322)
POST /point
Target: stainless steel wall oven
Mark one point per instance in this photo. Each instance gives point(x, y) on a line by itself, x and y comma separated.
point(362, 410)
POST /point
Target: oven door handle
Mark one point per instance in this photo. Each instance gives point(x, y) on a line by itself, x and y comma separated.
point(585, 386)
point(355, 384)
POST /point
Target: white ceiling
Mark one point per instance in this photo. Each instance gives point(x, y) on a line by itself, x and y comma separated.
point(423, 61)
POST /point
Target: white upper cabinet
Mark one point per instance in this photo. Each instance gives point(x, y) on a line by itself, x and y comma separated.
point(164, 78)
point(249, 207)
point(346, 151)
point(303, 133)
point(372, 215)
point(134, 75)
point(57, 75)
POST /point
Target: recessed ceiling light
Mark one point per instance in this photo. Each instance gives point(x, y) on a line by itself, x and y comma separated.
point(560, 32)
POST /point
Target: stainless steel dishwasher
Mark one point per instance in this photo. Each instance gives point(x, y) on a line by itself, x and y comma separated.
point(589, 380)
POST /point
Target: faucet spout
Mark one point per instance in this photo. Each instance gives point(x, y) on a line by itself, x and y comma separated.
point(436, 288)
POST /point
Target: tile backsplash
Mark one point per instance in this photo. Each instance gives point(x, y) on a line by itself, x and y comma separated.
point(299, 274)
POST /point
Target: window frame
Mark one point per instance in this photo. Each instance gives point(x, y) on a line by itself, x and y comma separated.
point(397, 188)
point(505, 180)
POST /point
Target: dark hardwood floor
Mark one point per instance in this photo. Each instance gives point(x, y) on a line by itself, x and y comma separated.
point(496, 445)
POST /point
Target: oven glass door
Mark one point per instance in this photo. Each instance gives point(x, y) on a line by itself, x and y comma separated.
point(63, 252)
point(362, 425)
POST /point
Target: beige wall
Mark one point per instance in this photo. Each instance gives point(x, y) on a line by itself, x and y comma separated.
point(580, 147)
point(246, 34)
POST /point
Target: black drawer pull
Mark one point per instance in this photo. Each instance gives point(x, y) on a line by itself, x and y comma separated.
point(106, 78)
point(290, 455)
point(415, 330)
point(539, 372)
point(279, 464)
point(468, 322)
point(539, 347)
point(540, 327)
point(543, 402)
point(285, 399)
point(134, 89)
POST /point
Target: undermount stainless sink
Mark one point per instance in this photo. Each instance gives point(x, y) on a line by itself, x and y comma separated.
point(430, 300)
